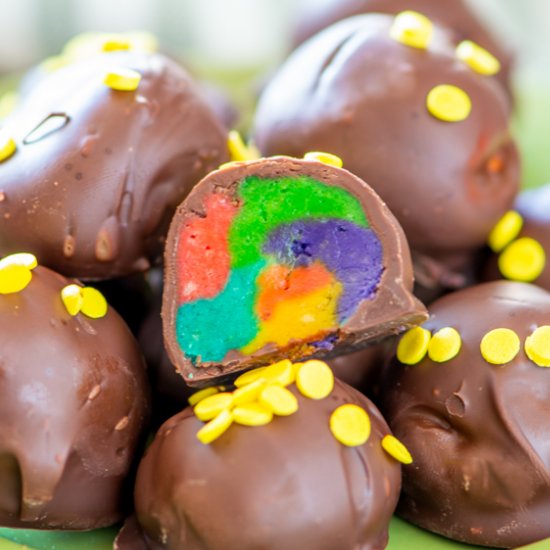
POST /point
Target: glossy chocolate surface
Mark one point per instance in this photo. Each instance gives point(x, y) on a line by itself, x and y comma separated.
point(453, 14)
point(289, 484)
point(355, 92)
point(74, 403)
point(478, 432)
point(389, 310)
point(98, 172)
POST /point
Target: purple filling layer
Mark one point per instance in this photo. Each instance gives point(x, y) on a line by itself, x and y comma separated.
point(351, 252)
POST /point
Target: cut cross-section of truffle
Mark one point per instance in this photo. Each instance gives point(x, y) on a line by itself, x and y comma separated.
point(281, 257)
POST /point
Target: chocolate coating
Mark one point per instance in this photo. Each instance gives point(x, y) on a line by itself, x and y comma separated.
point(73, 406)
point(355, 92)
point(289, 484)
point(453, 14)
point(389, 310)
point(478, 432)
point(98, 173)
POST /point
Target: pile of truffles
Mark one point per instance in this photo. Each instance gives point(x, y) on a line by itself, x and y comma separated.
point(371, 234)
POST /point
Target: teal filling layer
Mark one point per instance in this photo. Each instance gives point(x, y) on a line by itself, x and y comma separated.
point(210, 328)
point(268, 203)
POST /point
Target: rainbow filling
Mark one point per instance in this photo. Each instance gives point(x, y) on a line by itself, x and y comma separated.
point(289, 259)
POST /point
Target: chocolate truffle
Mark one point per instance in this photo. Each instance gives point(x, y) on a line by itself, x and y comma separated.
point(469, 396)
point(96, 158)
point(521, 240)
point(269, 481)
point(73, 402)
point(281, 257)
point(453, 14)
point(421, 126)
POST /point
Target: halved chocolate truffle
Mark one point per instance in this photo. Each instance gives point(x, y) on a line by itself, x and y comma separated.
point(96, 158)
point(270, 481)
point(426, 126)
point(469, 395)
point(74, 402)
point(281, 257)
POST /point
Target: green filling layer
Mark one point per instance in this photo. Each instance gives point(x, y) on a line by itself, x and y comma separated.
point(269, 203)
point(208, 328)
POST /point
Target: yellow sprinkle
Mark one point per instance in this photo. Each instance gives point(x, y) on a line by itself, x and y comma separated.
point(412, 29)
point(505, 231)
point(24, 259)
point(395, 448)
point(325, 158)
point(7, 146)
point(216, 427)
point(238, 150)
point(478, 58)
point(537, 346)
point(278, 400)
point(211, 406)
point(449, 103)
point(198, 396)
point(252, 414)
point(350, 425)
point(444, 345)
point(124, 80)
point(72, 298)
point(248, 377)
point(523, 260)
point(94, 304)
point(413, 346)
point(14, 278)
point(281, 373)
point(248, 393)
point(114, 43)
point(499, 346)
point(314, 379)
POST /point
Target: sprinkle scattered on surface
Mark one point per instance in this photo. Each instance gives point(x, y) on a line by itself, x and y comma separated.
point(505, 231)
point(412, 29)
point(396, 449)
point(522, 260)
point(477, 58)
point(413, 346)
point(500, 346)
point(444, 345)
point(124, 80)
point(350, 425)
point(449, 103)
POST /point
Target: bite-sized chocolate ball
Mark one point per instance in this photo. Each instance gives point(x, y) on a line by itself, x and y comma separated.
point(96, 158)
point(315, 15)
point(281, 258)
point(288, 483)
point(419, 124)
point(474, 413)
point(521, 241)
point(74, 402)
